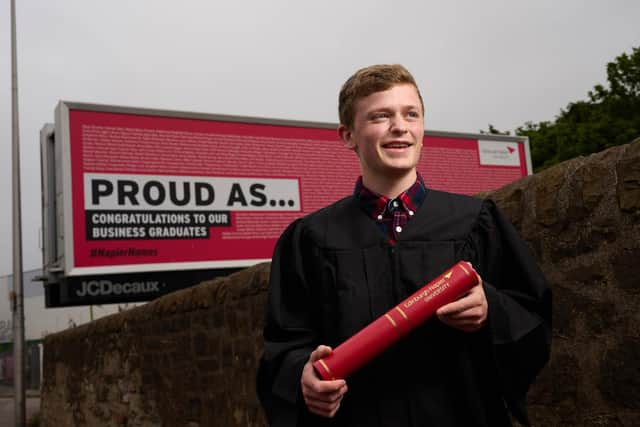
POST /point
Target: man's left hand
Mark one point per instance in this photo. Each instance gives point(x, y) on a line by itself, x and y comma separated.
point(468, 313)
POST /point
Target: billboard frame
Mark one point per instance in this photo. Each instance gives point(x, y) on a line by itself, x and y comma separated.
point(58, 238)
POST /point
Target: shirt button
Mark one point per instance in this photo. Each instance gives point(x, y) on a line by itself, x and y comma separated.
point(410, 213)
point(395, 204)
point(398, 229)
point(379, 217)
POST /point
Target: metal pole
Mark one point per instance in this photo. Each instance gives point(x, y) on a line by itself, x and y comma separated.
point(17, 297)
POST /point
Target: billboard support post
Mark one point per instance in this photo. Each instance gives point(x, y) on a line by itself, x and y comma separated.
point(17, 297)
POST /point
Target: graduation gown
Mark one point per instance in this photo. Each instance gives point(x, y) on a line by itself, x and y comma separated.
point(333, 272)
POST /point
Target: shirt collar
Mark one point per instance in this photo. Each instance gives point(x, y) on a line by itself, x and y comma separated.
point(375, 204)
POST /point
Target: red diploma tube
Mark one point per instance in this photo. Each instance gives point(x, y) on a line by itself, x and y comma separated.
point(386, 330)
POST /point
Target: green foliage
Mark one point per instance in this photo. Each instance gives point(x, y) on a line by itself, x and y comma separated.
point(493, 131)
point(611, 116)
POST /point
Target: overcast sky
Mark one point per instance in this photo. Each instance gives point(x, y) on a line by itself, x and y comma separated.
point(477, 62)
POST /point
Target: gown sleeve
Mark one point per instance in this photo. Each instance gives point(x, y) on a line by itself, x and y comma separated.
point(289, 334)
point(519, 302)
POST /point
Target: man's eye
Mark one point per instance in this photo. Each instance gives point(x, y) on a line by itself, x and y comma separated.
point(413, 114)
point(379, 116)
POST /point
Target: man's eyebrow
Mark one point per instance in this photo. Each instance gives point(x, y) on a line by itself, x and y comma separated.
point(402, 108)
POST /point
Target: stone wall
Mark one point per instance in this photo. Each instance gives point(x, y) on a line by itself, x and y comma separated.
point(185, 359)
point(189, 358)
point(582, 220)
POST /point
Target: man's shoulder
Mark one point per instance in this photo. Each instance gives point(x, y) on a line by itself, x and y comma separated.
point(331, 216)
point(339, 207)
point(445, 216)
point(340, 225)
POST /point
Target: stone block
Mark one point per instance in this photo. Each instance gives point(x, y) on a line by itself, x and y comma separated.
point(208, 365)
point(626, 263)
point(586, 274)
point(511, 202)
point(619, 378)
point(231, 321)
point(597, 179)
point(218, 317)
point(547, 188)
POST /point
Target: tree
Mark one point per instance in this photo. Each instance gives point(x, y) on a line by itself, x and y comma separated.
point(611, 116)
point(493, 131)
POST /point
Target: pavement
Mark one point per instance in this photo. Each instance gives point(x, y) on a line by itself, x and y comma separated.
point(7, 410)
point(7, 405)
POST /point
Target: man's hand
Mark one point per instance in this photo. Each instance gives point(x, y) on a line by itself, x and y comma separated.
point(322, 397)
point(468, 313)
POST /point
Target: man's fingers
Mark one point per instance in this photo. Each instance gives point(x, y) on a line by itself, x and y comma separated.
point(468, 313)
point(321, 397)
point(324, 404)
point(320, 352)
point(318, 386)
point(322, 410)
point(331, 395)
point(325, 401)
point(457, 306)
point(471, 299)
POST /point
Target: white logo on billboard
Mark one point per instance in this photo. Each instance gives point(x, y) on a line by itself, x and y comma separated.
point(498, 153)
point(96, 288)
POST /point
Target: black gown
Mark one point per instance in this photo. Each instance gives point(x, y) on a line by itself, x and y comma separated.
point(333, 272)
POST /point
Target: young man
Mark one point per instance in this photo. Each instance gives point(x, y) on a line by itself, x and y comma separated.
point(338, 269)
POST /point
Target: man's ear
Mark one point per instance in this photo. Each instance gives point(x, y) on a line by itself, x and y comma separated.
point(347, 137)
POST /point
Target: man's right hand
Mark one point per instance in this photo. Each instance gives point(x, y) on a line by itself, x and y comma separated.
point(322, 397)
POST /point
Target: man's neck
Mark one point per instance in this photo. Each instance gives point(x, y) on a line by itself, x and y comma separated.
point(390, 186)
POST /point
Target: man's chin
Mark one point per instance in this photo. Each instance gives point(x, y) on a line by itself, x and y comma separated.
point(399, 171)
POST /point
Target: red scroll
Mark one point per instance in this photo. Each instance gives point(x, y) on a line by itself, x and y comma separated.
point(386, 330)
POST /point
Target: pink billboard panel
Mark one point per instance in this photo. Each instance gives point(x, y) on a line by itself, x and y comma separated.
point(160, 191)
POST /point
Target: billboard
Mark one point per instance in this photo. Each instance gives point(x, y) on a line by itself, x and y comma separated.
point(141, 193)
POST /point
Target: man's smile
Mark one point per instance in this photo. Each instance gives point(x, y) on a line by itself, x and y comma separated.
point(397, 145)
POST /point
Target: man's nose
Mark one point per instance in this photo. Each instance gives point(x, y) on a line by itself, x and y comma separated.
point(398, 124)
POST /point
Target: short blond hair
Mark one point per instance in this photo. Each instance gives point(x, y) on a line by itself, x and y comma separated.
point(368, 80)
